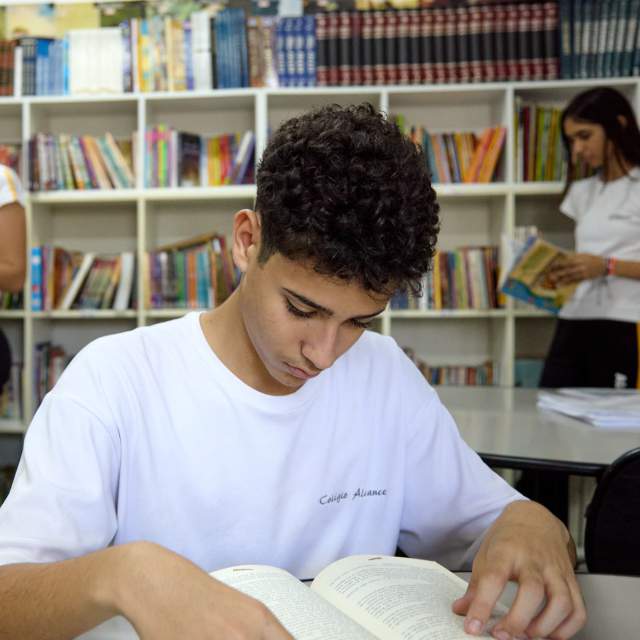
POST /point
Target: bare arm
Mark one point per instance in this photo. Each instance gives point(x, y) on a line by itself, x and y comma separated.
point(585, 266)
point(162, 594)
point(13, 247)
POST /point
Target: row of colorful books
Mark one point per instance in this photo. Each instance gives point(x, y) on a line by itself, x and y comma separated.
point(11, 395)
point(197, 273)
point(177, 158)
point(49, 361)
point(63, 280)
point(484, 374)
point(227, 48)
point(461, 156)
point(10, 300)
point(66, 161)
point(462, 279)
point(540, 151)
point(599, 38)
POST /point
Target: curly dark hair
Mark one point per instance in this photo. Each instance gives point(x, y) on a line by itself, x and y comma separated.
point(343, 188)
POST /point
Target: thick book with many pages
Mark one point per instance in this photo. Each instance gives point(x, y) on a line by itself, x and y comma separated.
point(360, 598)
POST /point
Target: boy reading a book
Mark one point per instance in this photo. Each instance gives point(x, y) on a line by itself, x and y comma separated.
point(272, 430)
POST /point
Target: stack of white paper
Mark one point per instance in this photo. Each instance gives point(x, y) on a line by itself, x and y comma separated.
point(609, 408)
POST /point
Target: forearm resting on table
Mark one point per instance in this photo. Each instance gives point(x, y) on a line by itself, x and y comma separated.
point(59, 599)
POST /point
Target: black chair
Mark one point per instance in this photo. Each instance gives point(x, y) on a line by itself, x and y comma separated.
point(612, 534)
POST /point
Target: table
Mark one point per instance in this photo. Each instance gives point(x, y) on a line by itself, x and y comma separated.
point(612, 606)
point(504, 426)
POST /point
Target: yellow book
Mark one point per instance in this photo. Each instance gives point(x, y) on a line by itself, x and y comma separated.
point(490, 160)
point(437, 284)
point(214, 162)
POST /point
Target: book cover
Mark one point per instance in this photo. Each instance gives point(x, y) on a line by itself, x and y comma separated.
point(527, 278)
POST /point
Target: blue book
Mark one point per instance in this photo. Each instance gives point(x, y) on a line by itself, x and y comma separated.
point(309, 28)
point(36, 278)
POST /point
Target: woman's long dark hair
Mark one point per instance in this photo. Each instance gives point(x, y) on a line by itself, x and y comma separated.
point(603, 106)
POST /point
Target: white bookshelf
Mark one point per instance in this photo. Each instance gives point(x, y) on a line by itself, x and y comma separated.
point(141, 219)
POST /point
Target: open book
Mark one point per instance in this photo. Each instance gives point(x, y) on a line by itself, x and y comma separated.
point(528, 277)
point(360, 598)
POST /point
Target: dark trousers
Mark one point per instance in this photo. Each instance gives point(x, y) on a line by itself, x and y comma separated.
point(583, 353)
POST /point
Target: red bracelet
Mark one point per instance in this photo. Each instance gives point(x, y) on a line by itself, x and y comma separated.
point(611, 266)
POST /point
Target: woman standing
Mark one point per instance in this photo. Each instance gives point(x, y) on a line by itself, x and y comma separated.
point(596, 338)
point(12, 250)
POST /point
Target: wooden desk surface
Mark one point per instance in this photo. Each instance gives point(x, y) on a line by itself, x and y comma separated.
point(504, 423)
point(612, 606)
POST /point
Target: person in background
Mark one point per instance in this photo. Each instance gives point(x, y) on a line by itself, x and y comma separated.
point(12, 250)
point(596, 337)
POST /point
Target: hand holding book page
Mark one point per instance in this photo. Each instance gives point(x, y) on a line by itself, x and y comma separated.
point(530, 276)
point(360, 598)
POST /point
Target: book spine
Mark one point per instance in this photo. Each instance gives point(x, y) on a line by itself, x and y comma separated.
point(439, 45)
point(415, 54)
point(356, 20)
point(333, 48)
point(403, 61)
point(550, 44)
point(391, 47)
point(345, 69)
point(379, 76)
point(427, 56)
point(309, 45)
point(463, 44)
point(631, 38)
point(538, 59)
point(527, 31)
point(322, 52)
point(476, 66)
point(450, 46)
point(367, 48)
point(513, 67)
point(488, 48)
point(36, 279)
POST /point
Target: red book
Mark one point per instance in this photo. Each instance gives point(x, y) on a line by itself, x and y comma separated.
point(487, 31)
point(524, 30)
point(513, 66)
point(537, 60)
point(499, 19)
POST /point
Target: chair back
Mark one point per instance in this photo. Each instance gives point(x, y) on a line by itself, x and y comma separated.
point(612, 534)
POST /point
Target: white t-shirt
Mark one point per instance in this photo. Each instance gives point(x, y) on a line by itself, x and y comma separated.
point(148, 436)
point(607, 216)
point(10, 187)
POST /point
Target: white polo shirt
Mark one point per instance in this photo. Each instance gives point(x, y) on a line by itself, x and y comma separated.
point(607, 216)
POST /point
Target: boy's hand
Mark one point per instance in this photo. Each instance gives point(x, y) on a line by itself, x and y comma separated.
point(530, 546)
point(166, 597)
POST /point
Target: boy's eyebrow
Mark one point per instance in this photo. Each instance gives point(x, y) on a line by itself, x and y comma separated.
point(319, 307)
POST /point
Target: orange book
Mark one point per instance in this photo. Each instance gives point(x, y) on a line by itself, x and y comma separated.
point(478, 155)
point(490, 160)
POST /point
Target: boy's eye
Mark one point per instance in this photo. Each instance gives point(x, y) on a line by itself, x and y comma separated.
point(361, 325)
point(299, 313)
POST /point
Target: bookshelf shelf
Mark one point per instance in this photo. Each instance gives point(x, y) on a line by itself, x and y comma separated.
point(11, 426)
point(230, 192)
point(141, 219)
point(447, 314)
point(168, 313)
point(88, 314)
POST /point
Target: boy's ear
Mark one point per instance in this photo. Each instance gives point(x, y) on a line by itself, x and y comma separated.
point(246, 238)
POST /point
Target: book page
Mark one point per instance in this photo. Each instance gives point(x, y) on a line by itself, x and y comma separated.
point(301, 611)
point(395, 598)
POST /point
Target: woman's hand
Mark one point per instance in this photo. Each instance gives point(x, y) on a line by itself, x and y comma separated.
point(578, 267)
